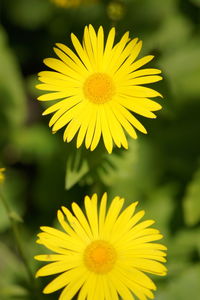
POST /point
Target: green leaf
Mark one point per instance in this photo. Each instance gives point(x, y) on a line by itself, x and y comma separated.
point(13, 193)
point(191, 201)
point(182, 71)
point(9, 291)
point(40, 12)
point(184, 244)
point(35, 143)
point(15, 216)
point(183, 287)
point(119, 167)
point(76, 168)
point(196, 2)
point(12, 94)
point(11, 266)
point(4, 220)
point(137, 172)
point(88, 167)
point(159, 205)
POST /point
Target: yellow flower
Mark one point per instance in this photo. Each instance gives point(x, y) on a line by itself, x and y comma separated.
point(99, 86)
point(102, 254)
point(71, 3)
point(2, 176)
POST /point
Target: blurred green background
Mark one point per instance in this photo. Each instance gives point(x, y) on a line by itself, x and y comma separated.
point(161, 170)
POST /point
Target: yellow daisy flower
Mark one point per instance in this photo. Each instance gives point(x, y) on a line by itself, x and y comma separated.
point(71, 3)
point(102, 254)
point(2, 176)
point(66, 3)
point(99, 86)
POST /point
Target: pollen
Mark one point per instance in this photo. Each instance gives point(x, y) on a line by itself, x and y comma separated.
point(100, 257)
point(99, 88)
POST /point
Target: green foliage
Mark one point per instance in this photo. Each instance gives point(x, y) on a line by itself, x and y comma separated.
point(29, 14)
point(191, 201)
point(12, 93)
point(160, 169)
point(185, 286)
point(90, 167)
point(12, 268)
point(76, 168)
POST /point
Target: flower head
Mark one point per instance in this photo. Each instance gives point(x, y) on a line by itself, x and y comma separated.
point(99, 86)
point(102, 254)
point(2, 176)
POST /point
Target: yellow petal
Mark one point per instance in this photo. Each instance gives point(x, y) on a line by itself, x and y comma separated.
point(144, 80)
point(111, 217)
point(80, 51)
point(149, 266)
point(91, 128)
point(66, 103)
point(93, 40)
point(46, 75)
point(100, 47)
point(49, 257)
point(102, 213)
point(116, 129)
point(117, 50)
point(63, 279)
point(72, 55)
point(53, 96)
point(128, 55)
point(66, 117)
point(144, 72)
point(127, 120)
point(88, 48)
point(121, 288)
point(107, 138)
point(91, 212)
point(139, 91)
point(59, 66)
point(97, 132)
point(108, 48)
point(84, 124)
point(59, 266)
point(137, 108)
point(73, 287)
point(82, 219)
point(78, 228)
point(141, 62)
point(79, 68)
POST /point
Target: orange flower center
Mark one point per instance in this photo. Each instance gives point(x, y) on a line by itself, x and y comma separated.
point(99, 88)
point(100, 257)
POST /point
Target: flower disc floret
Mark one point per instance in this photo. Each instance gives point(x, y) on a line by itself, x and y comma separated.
point(100, 257)
point(99, 88)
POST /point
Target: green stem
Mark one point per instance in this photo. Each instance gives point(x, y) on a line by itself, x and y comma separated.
point(19, 242)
